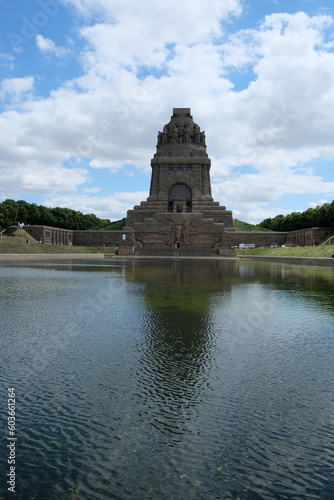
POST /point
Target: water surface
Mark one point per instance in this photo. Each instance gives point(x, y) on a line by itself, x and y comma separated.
point(169, 380)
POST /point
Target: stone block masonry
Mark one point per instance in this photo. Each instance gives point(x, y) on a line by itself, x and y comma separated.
point(50, 235)
point(103, 238)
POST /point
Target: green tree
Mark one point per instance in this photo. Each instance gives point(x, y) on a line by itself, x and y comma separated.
point(9, 213)
point(277, 223)
point(12, 213)
point(23, 209)
point(321, 216)
point(266, 223)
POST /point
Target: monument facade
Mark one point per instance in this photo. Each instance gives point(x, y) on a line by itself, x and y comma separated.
point(180, 211)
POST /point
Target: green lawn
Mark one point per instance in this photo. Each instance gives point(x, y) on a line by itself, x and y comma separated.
point(13, 244)
point(320, 251)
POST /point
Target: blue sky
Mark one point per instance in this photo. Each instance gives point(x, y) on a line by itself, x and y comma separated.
point(87, 84)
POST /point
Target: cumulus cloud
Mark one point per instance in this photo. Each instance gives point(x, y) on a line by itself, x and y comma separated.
point(269, 186)
point(113, 206)
point(318, 203)
point(47, 46)
point(16, 89)
point(135, 69)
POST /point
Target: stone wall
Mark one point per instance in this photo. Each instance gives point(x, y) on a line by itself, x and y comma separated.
point(309, 237)
point(103, 238)
point(258, 238)
point(192, 231)
point(166, 230)
point(50, 235)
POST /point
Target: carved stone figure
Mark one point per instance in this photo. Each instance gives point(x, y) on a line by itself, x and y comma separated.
point(165, 135)
point(178, 232)
point(175, 134)
point(197, 136)
point(187, 134)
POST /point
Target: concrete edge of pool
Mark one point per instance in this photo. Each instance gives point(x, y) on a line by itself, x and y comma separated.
point(305, 261)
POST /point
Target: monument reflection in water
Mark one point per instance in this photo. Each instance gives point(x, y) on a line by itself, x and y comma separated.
point(170, 379)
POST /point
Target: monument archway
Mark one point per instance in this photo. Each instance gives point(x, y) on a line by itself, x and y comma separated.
point(180, 198)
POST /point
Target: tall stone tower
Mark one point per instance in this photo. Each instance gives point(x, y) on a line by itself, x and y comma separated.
point(180, 211)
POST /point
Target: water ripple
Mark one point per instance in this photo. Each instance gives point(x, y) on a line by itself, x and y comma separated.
point(226, 395)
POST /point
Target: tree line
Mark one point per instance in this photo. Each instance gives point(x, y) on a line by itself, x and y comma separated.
point(321, 216)
point(13, 213)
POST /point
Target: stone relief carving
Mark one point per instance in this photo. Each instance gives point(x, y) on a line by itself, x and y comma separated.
point(197, 135)
point(178, 230)
point(175, 134)
point(186, 133)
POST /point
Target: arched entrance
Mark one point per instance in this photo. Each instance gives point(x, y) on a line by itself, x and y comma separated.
point(179, 198)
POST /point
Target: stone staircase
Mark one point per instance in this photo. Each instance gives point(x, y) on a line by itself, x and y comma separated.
point(176, 252)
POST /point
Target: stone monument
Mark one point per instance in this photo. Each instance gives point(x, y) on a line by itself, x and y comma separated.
point(180, 212)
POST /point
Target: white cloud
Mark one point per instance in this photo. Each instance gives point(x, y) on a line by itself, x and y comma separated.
point(91, 190)
point(171, 20)
point(47, 46)
point(112, 207)
point(318, 203)
point(257, 212)
point(136, 34)
point(109, 117)
point(267, 187)
point(16, 89)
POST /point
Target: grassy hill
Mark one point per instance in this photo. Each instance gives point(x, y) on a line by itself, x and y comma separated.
point(117, 225)
point(245, 226)
point(324, 251)
point(16, 244)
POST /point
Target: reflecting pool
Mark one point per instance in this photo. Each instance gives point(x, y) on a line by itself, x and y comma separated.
point(168, 380)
